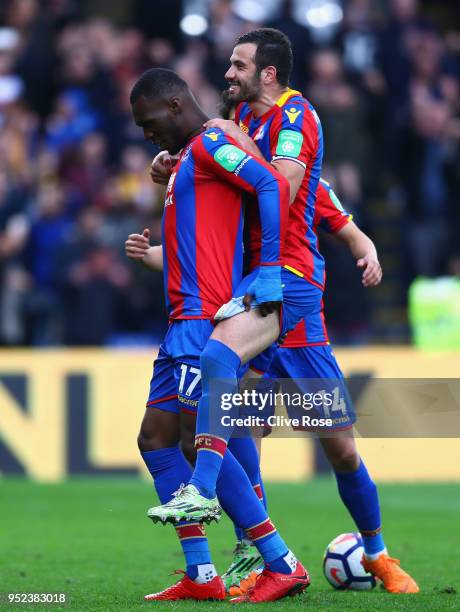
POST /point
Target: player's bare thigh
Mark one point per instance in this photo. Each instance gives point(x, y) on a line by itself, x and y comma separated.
point(248, 333)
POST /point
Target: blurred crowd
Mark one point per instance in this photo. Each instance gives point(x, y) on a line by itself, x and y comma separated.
point(74, 168)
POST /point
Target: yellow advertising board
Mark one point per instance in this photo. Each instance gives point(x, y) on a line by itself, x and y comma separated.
point(65, 412)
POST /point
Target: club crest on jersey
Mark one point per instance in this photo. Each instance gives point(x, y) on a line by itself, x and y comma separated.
point(229, 157)
point(244, 128)
point(212, 135)
point(169, 194)
point(292, 114)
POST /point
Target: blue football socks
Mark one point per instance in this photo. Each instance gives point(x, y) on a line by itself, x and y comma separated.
point(239, 500)
point(220, 365)
point(169, 470)
point(359, 494)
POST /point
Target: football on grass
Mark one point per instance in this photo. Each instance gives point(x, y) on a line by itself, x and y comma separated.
point(342, 564)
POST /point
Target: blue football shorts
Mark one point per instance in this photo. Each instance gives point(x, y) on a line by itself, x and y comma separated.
point(301, 299)
point(176, 381)
point(304, 372)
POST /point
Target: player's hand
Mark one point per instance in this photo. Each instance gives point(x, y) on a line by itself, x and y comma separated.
point(372, 271)
point(226, 125)
point(161, 168)
point(265, 290)
point(137, 245)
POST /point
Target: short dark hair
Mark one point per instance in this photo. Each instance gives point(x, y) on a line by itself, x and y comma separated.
point(273, 49)
point(157, 82)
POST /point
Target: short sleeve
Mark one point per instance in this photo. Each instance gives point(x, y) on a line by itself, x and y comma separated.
point(296, 133)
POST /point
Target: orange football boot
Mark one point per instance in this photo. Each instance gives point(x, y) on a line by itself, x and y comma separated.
point(188, 589)
point(394, 579)
point(244, 586)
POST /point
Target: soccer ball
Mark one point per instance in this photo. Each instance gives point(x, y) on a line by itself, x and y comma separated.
point(342, 564)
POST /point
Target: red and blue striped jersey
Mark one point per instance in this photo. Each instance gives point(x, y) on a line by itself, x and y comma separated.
point(290, 130)
point(330, 216)
point(202, 223)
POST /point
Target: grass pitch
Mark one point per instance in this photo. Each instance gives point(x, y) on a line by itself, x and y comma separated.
point(91, 539)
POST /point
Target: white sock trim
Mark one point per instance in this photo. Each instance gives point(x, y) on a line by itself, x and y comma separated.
point(291, 561)
point(206, 572)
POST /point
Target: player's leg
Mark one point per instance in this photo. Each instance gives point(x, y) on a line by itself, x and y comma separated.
point(159, 441)
point(219, 361)
point(247, 564)
point(282, 570)
point(244, 507)
point(234, 341)
point(246, 558)
point(241, 578)
point(360, 496)
point(159, 434)
point(356, 488)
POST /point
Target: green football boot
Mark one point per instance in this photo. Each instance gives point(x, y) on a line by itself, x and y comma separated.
point(187, 505)
point(246, 559)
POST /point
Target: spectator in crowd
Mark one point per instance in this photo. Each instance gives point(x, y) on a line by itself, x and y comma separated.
point(74, 168)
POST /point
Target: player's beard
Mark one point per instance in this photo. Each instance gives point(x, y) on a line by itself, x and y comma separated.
point(247, 92)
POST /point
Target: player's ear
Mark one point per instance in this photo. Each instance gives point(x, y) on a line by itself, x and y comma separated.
point(175, 105)
point(269, 75)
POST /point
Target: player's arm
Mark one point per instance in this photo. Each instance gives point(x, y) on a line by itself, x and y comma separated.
point(137, 248)
point(334, 219)
point(364, 251)
point(154, 258)
point(232, 164)
point(296, 139)
point(293, 172)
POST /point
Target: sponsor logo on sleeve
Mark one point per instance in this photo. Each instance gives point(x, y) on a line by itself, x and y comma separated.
point(229, 157)
point(292, 114)
point(289, 143)
point(212, 135)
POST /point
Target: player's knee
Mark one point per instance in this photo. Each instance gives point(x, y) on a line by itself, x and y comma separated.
point(155, 434)
point(345, 460)
point(342, 454)
point(148, 440)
